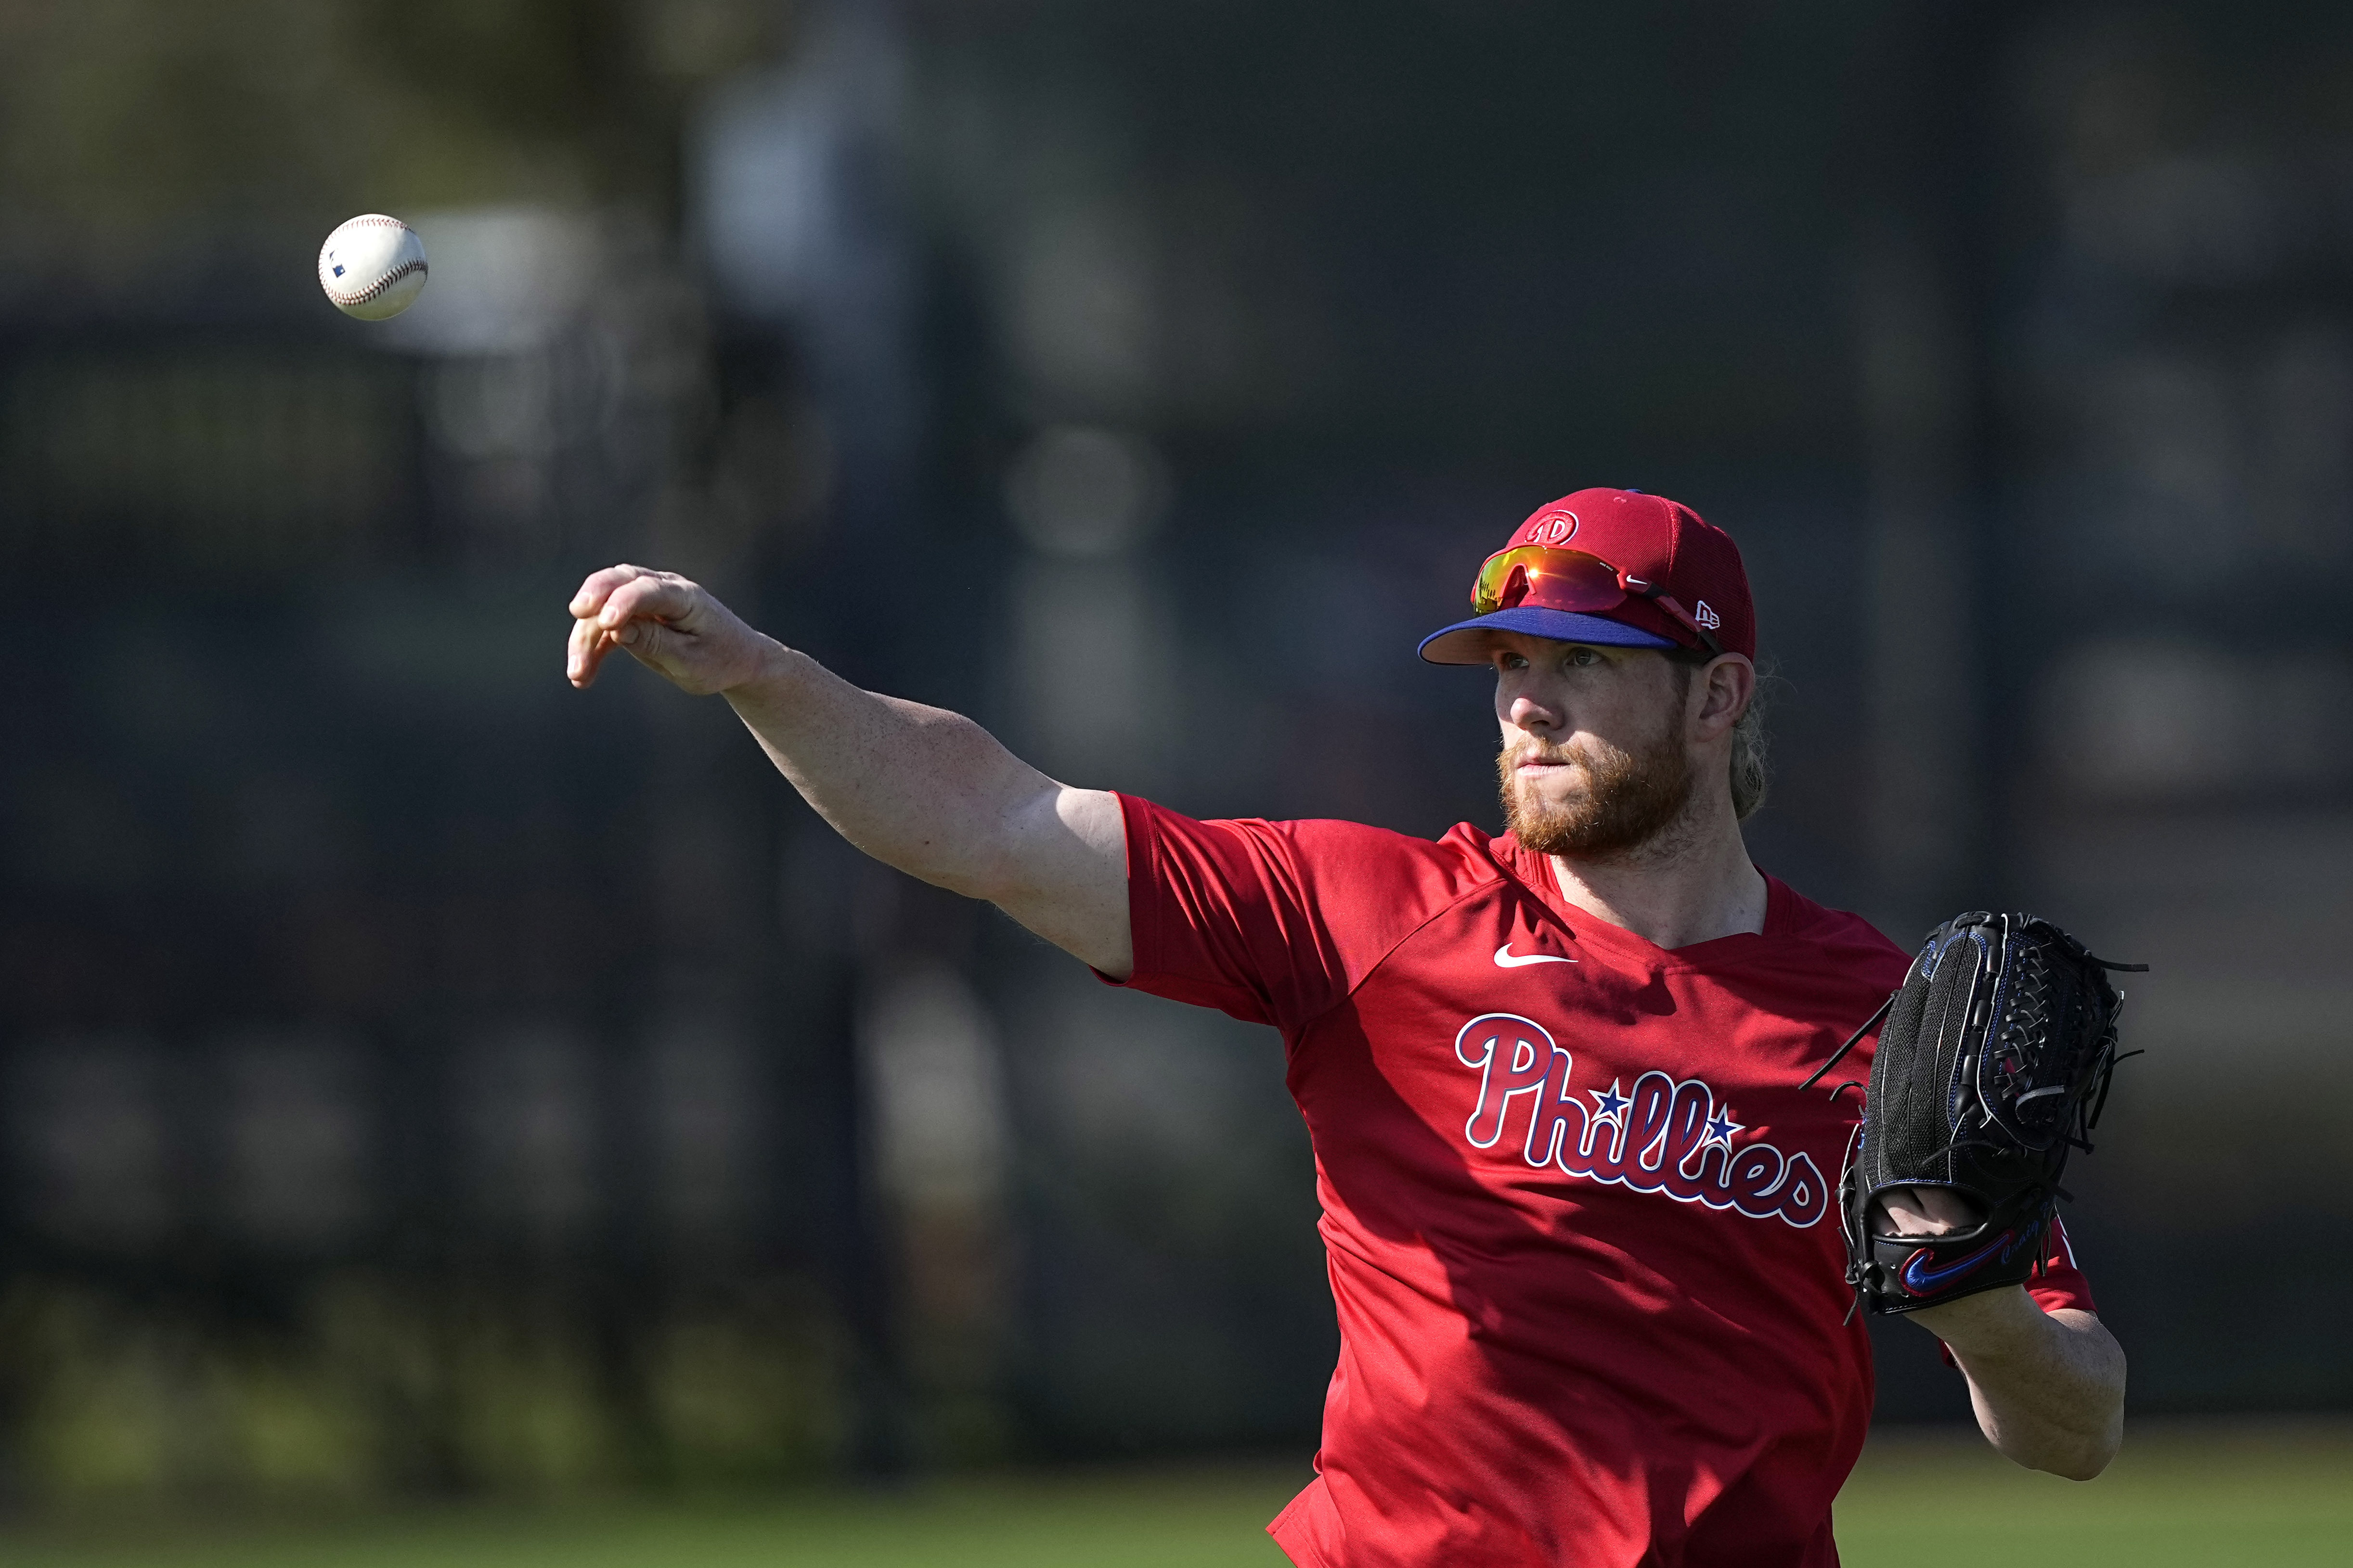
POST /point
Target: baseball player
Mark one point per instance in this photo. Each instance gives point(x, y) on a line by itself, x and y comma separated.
point(1581, 1220)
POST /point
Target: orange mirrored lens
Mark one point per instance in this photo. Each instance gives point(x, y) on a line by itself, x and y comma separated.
point(1548, 579)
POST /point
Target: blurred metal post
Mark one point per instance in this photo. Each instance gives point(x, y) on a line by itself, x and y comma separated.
point(1925, 262)
point(1924, 706)
point(796, 204)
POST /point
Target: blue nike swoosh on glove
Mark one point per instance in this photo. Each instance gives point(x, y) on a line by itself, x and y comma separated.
point(1926, 1281)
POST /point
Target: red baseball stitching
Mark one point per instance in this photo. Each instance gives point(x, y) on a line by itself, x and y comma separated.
point(345, 297)
point(379, 286)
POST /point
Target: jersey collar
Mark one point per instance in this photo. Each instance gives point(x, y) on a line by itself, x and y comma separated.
point(1536, 873)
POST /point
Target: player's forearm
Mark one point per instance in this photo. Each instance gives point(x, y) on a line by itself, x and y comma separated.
point(919, 788)
point(2048, 1388)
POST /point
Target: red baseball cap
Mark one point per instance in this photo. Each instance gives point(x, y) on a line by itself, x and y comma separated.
point(1656, 556)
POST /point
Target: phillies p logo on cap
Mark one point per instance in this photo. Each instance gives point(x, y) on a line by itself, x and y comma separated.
point(1550, 528)
point(1617, 568)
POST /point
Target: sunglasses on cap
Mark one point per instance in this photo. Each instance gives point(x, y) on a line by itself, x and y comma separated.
point(1549, 578)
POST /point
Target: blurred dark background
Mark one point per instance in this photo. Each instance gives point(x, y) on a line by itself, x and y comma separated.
point(417, 1077)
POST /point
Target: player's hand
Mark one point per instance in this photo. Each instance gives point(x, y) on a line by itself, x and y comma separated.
point(1927, 1211)
point(668, 624)
point(1934, 1211)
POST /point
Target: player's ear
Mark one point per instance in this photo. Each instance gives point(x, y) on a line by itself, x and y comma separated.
point(1730, 683)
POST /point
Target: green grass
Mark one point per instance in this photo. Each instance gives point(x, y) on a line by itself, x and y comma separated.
point(2193, 1495)
point(2281, 1497)
point(1193, 1517)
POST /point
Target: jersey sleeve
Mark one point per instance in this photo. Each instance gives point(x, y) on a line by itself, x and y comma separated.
point(1273, 922)
point(2061, 1281)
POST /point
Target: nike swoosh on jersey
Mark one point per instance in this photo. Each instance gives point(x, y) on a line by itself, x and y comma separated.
point(1506, 958)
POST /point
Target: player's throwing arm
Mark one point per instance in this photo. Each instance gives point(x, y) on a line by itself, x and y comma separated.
point(919, 788)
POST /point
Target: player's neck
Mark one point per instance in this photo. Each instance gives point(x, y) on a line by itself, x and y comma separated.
point(1691, 883)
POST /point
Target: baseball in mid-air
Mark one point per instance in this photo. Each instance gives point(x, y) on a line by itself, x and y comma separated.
point(372, 267)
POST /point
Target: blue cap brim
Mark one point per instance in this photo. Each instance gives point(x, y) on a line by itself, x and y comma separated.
point(1462, 643)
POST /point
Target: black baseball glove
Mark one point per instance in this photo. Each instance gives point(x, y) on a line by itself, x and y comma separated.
point(1993, 1065)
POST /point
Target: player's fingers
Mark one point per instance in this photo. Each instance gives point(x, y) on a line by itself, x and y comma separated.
point(589, 652)
point(583, 653)
point(654, 596)
point(1904, 1215)
point(598, 587)
point(647, 640)
point(1926, 1211)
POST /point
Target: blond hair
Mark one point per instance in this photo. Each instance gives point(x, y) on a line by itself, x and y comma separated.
point(1751, 768)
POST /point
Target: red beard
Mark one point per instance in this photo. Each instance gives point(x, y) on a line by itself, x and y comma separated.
point(1627, 800)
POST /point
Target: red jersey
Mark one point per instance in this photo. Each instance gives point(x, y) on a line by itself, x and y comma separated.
point(1581, 1223)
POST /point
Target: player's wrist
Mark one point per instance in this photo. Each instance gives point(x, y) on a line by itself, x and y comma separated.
point(767, 669)
point(1987, 1323)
